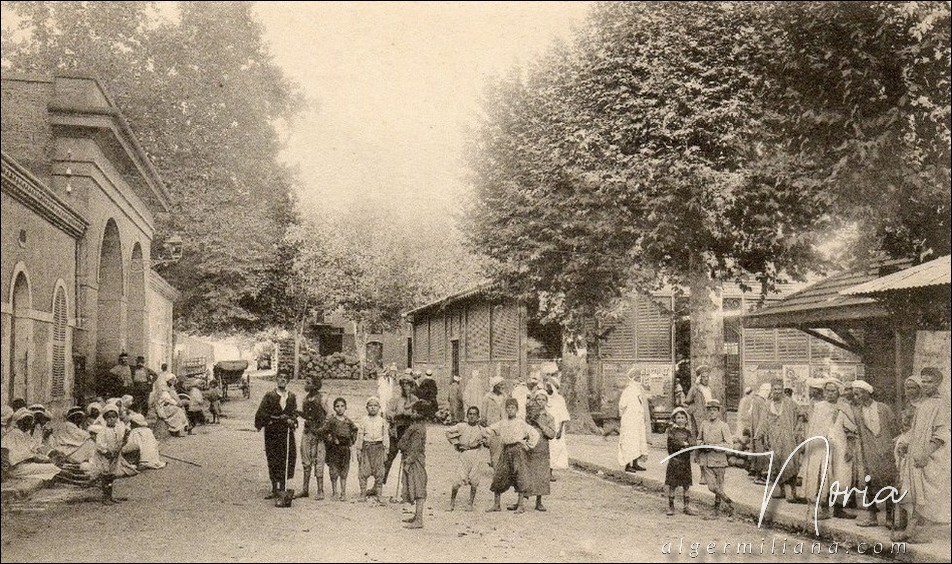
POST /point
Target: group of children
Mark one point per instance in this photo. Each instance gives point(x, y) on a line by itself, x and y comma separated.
point(712, 432)
point(331, 438)
point(523, 464)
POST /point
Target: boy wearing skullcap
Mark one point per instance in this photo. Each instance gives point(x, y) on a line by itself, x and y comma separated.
point(713, 462)
point(108, 462)
point(373, 441)
point(467, 438)
point(516, 437)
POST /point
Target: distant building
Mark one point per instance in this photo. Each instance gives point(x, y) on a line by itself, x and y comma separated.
point(476, 329)
point(79, 198)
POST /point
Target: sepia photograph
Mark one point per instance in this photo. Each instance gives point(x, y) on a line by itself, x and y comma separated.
point(489, 281)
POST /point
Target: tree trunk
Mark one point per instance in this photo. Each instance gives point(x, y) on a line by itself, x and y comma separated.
point(707, 327)
point(577, 365)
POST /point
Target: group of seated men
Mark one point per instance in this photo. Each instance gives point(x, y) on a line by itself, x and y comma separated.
point(73, 450)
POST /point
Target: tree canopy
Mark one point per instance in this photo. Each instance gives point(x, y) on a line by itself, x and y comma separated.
point(372, 266)
point(672, 139)
point(690, 144)
point(636, 157)
point(203, 96)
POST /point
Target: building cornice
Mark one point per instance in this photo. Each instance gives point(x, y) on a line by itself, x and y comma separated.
point(27, 189)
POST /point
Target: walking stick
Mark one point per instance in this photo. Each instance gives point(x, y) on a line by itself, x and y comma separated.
point(285, 496)
point(396, 494)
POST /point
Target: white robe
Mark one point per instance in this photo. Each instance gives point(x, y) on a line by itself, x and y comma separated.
point(385, 387)
point(520, 393)
point(633, 431)
point(20, 447)
point(558, 449)
point(142, 440)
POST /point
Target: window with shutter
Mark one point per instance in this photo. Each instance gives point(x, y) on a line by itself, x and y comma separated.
point(619, 341)
point(792, 346)
point(505, 333)
point(420, 341)
point(437, 339)
point(760, 345)
point(60, 329)
point(653, 329)
point(477, 333)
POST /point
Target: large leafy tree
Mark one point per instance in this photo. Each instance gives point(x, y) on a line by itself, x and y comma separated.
point(634, 158)
point(861, 94)
point(203, 96)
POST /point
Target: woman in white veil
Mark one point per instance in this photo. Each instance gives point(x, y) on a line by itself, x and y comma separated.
point(166, 404)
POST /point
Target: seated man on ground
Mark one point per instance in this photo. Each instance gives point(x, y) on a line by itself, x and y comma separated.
point(141, 448)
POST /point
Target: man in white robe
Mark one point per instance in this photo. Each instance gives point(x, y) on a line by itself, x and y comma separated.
point(558, 449)
point(385, 385)
point(635, 422)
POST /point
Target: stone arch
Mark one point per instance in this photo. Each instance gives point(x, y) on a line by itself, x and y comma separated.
point(110, 302)
point(21, 335)
point(136, 310)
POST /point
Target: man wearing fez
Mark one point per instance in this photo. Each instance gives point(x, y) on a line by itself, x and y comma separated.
point(277, 415)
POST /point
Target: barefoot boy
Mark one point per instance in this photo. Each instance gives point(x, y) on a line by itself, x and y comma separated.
point(412, 446)
point(373, 442)
point(340, 433)
point(517, 437)
point(468, 438)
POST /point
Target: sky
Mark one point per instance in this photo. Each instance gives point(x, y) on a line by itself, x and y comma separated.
point(392, 88)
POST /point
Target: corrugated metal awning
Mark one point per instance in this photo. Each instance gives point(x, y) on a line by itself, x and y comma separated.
point(824, 302)
point(933, 273)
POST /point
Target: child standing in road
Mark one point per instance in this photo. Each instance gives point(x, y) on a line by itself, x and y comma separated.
point(517, 437)
point(373, 441)
point(412, 446)
point(340, 433)
point(678, 473)
point(713, 463)
point(468, 438)
point(213, 396)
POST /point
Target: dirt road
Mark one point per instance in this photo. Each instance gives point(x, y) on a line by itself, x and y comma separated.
point(218, 513)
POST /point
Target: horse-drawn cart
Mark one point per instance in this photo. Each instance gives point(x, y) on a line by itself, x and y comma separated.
point(232, 373)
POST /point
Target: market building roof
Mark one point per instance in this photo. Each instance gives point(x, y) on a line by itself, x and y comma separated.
point(825, 301)
point(928, 274)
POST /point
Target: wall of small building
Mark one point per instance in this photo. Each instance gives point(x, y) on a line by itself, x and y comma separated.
point(91, 173)
point(46, 259)
point(161, 346)
point(489, 337)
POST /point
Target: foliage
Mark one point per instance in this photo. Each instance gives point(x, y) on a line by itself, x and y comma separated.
point(372, 266)
point(861, 91)
point(203, 96)
point(636, 158)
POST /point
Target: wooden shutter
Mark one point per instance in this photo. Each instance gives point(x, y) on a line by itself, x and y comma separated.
point(760, 345)
point(60, 328)
point(505, 333)
point(477, 333)
point(653, 330)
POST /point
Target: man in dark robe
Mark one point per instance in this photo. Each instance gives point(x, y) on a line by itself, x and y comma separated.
point(277, 415)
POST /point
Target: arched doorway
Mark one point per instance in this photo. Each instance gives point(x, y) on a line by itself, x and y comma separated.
point(136, 314)
point(110, 310)
point(20, 339)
